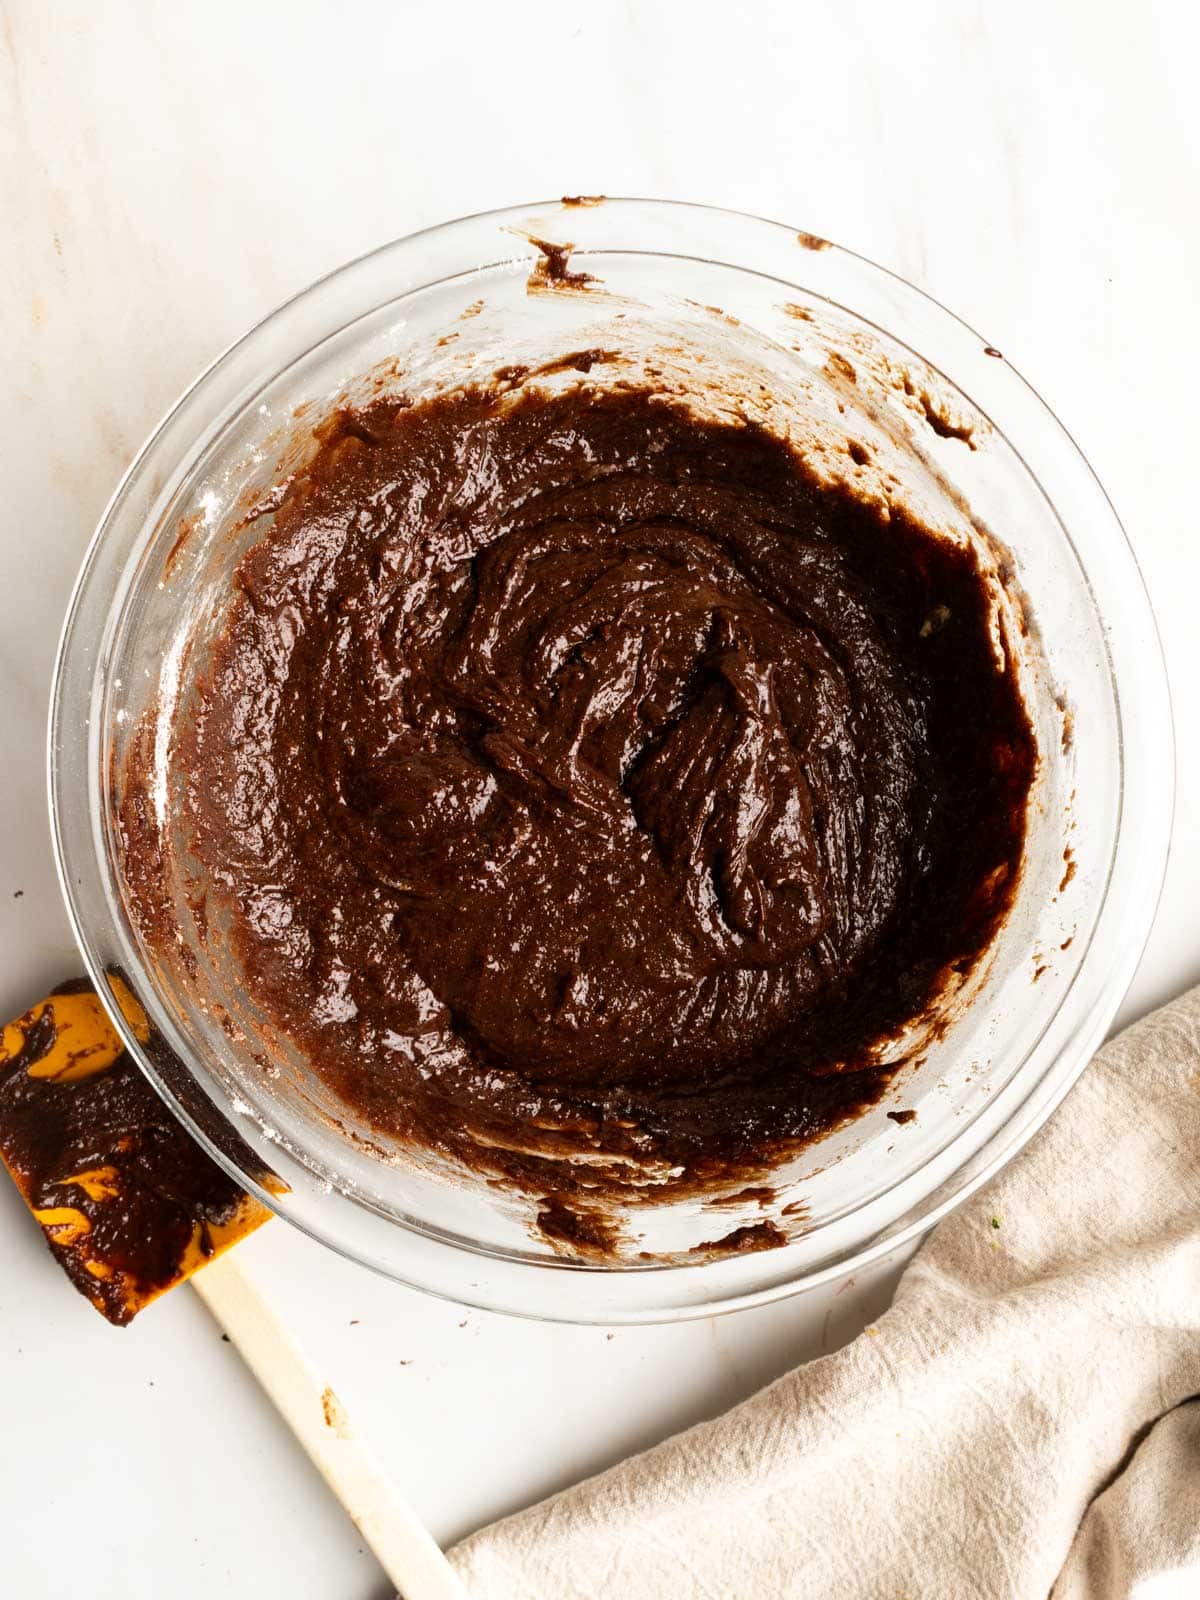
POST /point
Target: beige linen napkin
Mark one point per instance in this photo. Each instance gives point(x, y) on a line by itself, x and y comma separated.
point(1014, 1426)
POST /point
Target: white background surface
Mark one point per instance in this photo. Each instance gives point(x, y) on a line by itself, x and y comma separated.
point(169, 172)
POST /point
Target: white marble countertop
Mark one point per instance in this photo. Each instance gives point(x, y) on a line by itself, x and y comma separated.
point(168, 174)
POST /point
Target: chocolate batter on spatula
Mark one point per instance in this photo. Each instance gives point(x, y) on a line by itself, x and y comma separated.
point(585, 776)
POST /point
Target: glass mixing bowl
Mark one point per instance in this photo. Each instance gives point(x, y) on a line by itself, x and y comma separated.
point(742, 316)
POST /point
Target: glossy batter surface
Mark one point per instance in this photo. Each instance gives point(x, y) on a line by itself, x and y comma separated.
point(582, 775)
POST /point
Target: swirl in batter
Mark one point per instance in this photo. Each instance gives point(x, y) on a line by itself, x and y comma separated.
point(586, 776)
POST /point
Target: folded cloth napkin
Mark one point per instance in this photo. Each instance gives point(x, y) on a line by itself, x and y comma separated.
point(1015, 1426)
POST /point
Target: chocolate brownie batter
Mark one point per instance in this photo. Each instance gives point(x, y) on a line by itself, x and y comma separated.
point(584, 776)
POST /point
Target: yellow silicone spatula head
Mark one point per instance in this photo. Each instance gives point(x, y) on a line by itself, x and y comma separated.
point(129, 1204)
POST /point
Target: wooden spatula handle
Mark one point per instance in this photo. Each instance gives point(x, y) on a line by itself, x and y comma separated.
point(401, 1542)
